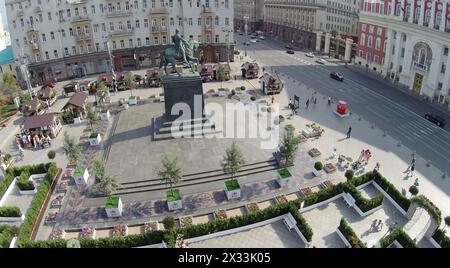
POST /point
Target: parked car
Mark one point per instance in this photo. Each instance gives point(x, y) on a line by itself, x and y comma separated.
point(309, 54)
point(290, 51)
point(321, 61)
point(289, 47)
point(253, 37)
point(337, 76)
point(253, 41)
point(436, 119)
point(247, 43)
point(262, 37)
point(49, 84)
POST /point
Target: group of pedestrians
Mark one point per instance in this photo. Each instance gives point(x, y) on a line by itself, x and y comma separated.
point(26, 139)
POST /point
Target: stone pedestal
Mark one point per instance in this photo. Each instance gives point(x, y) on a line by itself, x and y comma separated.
point(327, 43)
point(348, 49)
point(185, 92)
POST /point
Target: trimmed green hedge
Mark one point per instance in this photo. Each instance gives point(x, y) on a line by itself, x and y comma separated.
point(4, 184)
point(401, 237)
point(363, 203)
point(13, 172)
point(10, 212)
point(36, 204)
point(441, 238)
point(324, 194)
point(302, 224)
point(7, 233)
point(350, 235)
point(430, 207)
point(390, 189)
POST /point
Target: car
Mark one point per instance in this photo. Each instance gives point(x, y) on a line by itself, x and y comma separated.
point(253, 41)
point(289, 47)
point(252, 37)
point(310, 55)
point(51, 84)
point(247, 43)
point(321, 61)
point(337, 76)
point(290, 51)
point(262, 38)
point(436, 119)
point(241, 33)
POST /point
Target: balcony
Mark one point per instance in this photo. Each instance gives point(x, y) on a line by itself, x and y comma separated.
point(420, 66)
point(32, 28)
point(77, 2)
point(163, 29)
point(208, 28)
point(38, 9)
point(155, 29)
point(207, 10)
point(80, 18)
point(123, 32)
point(19, 13)
point(119, 13)
point(83, 37)
point(162, 10)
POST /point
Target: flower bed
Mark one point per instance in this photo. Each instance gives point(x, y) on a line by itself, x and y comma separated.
point(186, 221)
point(87, 232)
point(57, 234)
point(328, 184)
point(281, 199)
point(314, 152)
point(151, 226)
point(350, 235)
point(120, 230)
point(220, 214)
point(389, 188)
point(253, 207)
point(329, 168)
point(306, 191)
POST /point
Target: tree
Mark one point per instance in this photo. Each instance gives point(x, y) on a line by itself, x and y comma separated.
point(91, 114)
point(232, 160)
point(102, 93)
point(71, 148)
point(171, 172)
point(99, 168)
point(106, 185)
point(288, 147)
point(334, 32)
point(169, 223)
point(131, 82)
point(221, 75)
point(413, 190)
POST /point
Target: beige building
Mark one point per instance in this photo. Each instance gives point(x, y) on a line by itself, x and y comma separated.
point(250, 12)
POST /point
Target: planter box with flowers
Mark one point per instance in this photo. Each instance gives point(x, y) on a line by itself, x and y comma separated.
point(113, 207)
point(174, 200)
point(161, 97)
point(283, 177)
point(317, 169)
point(220, 214)
point(57, 234)
point(151, 226)
point(233, 189)
point(132, 100)
point(87, 232)
point(104, 114)
point(186, 221)
point(329, 168)
point(81, 175)
point(314, 152)
point(95, 139)
point(252, 207)
point(120, 230)
point(281, 199)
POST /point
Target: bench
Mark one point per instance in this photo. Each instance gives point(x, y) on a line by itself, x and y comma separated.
point(289, 221)
point(349, 200)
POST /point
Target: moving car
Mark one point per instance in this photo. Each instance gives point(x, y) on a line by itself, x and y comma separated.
point(337, 76)
point(309, 54)
point(247, 43)
point(321, 61)
point(253, 41)
point(436, 119)
point(290, 51)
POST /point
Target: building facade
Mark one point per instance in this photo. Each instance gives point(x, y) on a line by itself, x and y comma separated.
point(408, 42)
point(7, 62)
point(250, 13)
point(69, 38)
point(300, 21)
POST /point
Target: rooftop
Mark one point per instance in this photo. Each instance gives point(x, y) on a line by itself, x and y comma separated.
point(78, 99)
point(39, 121)
point(6, 56)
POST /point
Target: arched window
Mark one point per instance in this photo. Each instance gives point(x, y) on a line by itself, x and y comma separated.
point(398, 9)
point(422, 56)
point(437, 19)
point(427, 16)
point(363, 39)
point(370, 42)
point(417, 15)
point(377, 43)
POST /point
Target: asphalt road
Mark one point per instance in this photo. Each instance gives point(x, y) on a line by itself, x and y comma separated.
point(399, 114)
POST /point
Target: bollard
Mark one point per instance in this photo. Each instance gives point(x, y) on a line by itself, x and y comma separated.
point(399, 143)
point(384, 133)
point(444, 175)
point(428, 163)
point(360, 118)
point(372, 126)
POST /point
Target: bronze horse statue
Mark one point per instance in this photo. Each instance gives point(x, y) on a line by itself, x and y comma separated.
point(171, 55)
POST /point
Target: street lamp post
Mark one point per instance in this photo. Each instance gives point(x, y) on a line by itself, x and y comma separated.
point(228, 43)
point(246, 17)
point(23, 66)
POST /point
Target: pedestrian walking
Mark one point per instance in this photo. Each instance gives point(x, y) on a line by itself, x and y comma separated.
point(411, 170)
point(21, 153)
point(273, 99)
point(349, 132)
point(361, 156)
point(329, 100)
point(416, 182)
point(315, 100)
point(307, 104)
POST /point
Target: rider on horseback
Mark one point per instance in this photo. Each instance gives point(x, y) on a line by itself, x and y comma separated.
point(180, 45)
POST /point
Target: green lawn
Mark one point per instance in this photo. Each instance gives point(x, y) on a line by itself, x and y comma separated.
point(5, 110)
point(232, 185)
point(112, 202)
point(173, 195)
point(79, 172)
point(284, 173)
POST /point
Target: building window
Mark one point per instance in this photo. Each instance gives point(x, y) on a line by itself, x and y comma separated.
point(443, 68)
point(227, 21)
point(74, 51)
point(55, 52)
point(145, 23)
point(122, 44)
point(363, 40)
point(44, 39)
point(147, 41)
point(66, 51)
point(130, 42)
point(164, 40)
point(52, 35)
point(139, 42)
point(47, 57)
point(97, 47)
point(217, 39)
point(137, 24)
point(156, 41)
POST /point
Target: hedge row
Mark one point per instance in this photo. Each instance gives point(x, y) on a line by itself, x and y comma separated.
point(350, 235)
point(13, 172)
point(10, 212)
point(441, 238)
point(390, 189)
point(430, 207)
point(363, 203)
point(4, 184)
point(7, 233)
point(401, 237)
point(302, 224)
point(36, 204)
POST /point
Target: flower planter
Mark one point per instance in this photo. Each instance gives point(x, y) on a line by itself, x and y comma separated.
point(161, 97)
point(151, 226)
point(132, 100)
point(81, 176)
point(174, 201)
point(28, 192)
point(88, 232)
point(105, 115)
point(281, 199)
point(316, 172)
point(220, 214)
point(120, 230)
point(57, 234)
point(252, 207)
point(95, 139)
point(283, 177)
point(329, 168)
point(186, 221)
point(233, 189)
point(221, 92)
point(314, 152)
point(113, 207)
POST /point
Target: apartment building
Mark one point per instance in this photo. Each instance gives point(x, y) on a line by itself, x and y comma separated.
point(301, 21)
point(69, 38)
point(408, 42)
point(250, 13)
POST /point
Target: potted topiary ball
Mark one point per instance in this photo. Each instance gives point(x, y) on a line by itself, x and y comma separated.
point(317, 170)
point(349, 174)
